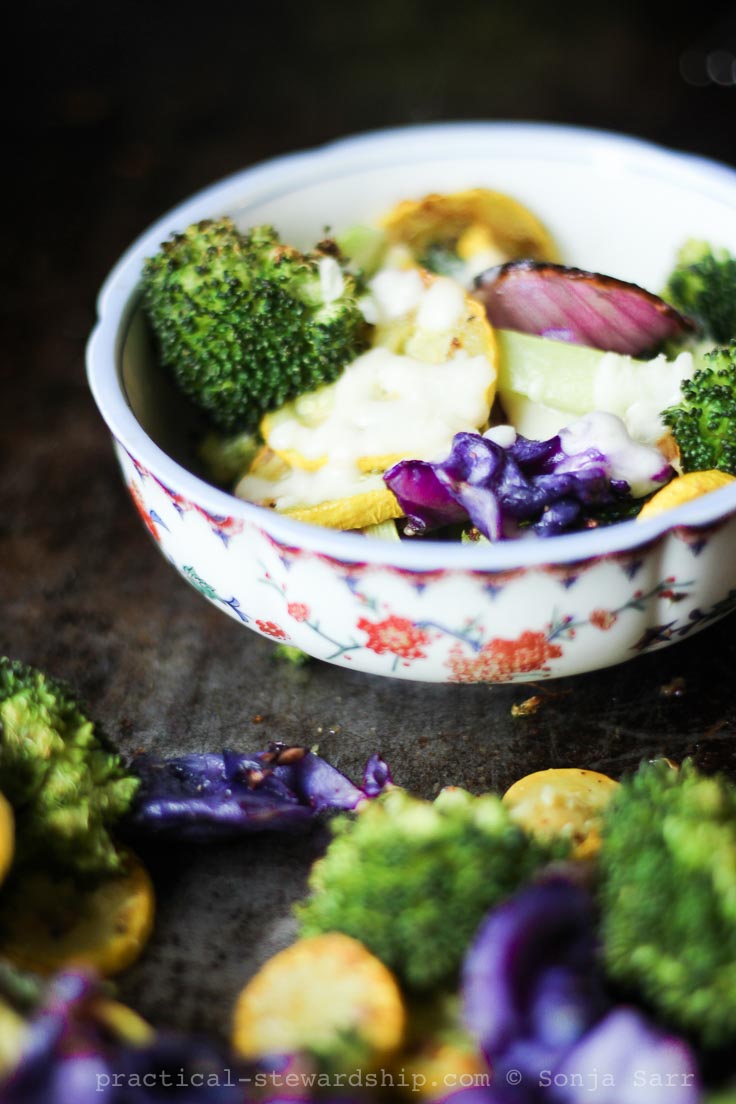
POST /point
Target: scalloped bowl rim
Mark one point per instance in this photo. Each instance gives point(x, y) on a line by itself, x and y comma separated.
point(118, 300)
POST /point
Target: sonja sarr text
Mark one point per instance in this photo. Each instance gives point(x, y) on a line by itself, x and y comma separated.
point(597, 1079)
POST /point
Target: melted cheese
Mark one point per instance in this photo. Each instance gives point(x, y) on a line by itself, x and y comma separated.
point(386, 405)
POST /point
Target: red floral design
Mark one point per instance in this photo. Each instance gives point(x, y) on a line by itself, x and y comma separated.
point(697, 536)
point(396, 635)
point(499, 579)
point(603, 619)
point(143, 510)
point(142, 472)
point(418, 578)
point(270, 628)
point(178, 501)
point(298, 611)
point(500, 660)
point(228, 526)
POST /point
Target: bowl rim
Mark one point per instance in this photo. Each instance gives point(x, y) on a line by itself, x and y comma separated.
point(119, 298)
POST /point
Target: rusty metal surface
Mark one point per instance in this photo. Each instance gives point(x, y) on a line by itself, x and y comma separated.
point(115, 133)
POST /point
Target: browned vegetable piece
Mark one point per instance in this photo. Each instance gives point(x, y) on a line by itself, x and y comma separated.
point(325, 995)
point(583, 308)
point(471, 336)
point(49, 923)
point(7, 836)
point(683, 489)
point(470, 222)
point(564, 802)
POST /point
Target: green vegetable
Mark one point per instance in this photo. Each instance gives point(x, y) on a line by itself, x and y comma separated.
point(544, 384)
point(289, 653)
point(20, 994)
point(227, 458)
point(703, 423)
point(413, 879)
point(66, 786)
point(703, 286)
point(668, 896)
point(246, 322)
point(441, 257)
point(384, 530)
point(364, 247)
point(556, 373)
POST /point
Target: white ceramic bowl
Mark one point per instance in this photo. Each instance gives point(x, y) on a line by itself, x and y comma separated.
point(435, 611)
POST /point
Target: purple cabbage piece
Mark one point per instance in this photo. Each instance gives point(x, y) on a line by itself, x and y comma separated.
point(75, 1054)
point(480, 1094)
point(203, 797)
point(72, 1057)
point(531, 482)
point(534, 999)
point(427, 502)
point(625, 1060)
point(376, 776)
point(530, 984)
point(583, 308)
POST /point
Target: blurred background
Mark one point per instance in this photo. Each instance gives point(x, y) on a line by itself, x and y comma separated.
point(123, 108)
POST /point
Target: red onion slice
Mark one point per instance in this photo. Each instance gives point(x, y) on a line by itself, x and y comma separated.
point(583, 308)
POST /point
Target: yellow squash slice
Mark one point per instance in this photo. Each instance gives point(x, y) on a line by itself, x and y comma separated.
point(7, 837)
point(470, 222)
point(326, 430)
point(268, 465)
point(565, 802)
point(326, 995)
point(684, 488)
point(429, 1073)
point(357, 512)
point(123, 1022)
point(49, 923)
point(307, 410)
point(13, 1038)
point(471, 336)
point(439, 1053)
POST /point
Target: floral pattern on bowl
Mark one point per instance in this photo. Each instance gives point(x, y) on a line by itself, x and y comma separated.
point(513, 612)
point(527, 624)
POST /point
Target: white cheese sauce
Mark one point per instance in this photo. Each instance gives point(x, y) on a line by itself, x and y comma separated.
point(639, 390)
point(503, 435)
point(331, 280)
point(639, 465)
point(385, 406)
point(441, 307)
point(308, 488)
point(393, 293)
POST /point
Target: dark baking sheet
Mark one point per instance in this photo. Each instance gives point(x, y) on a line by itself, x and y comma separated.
point(90, 598)
point(123, 118)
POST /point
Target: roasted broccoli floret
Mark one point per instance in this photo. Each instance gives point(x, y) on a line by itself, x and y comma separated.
point(413, 879)
point(289, 653)
point(245, 322)
point(703, 423)
point(66, 786)
point(703, 286)
point(668, 886)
